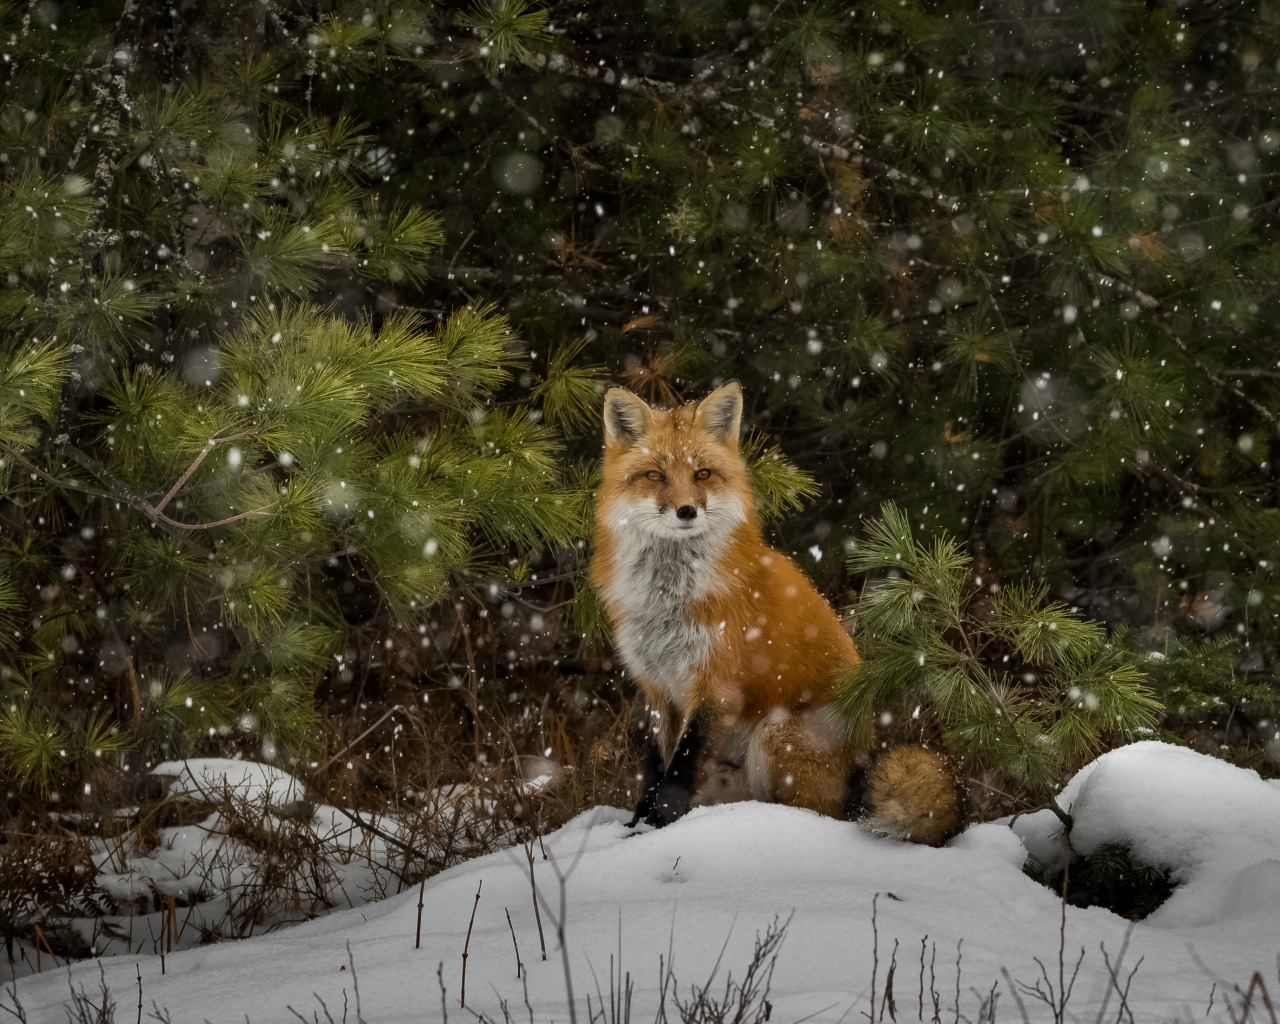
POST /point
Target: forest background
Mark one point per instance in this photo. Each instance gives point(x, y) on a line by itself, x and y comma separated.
point(306, 312)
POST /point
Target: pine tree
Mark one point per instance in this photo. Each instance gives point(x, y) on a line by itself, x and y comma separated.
point(228, 439)
point(1013, 269)
point(1015, 681)
point(1010, 268)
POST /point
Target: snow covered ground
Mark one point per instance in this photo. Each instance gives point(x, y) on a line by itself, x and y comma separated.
point(720, 876)
point(254, 855)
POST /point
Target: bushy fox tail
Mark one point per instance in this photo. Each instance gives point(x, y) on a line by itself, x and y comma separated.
point(909, 793)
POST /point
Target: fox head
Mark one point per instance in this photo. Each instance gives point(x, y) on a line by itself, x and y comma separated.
point(674, 473)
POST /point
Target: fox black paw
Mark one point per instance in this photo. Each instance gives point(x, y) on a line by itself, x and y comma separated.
point(669, 805)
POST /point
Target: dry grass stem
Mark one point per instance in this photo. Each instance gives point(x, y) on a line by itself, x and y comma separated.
point(466, 946)
point(519, 965)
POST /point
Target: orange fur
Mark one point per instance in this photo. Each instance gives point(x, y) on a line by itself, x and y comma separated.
point(915, 794)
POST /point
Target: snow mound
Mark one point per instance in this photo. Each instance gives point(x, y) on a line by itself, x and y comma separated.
point(997, 840)
point(215, 777)
point(1215, 826)
point(954, 922)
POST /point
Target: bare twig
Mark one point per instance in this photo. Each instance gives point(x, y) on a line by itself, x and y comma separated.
point(137, 694)
point(533, 887)
point(988, 1008)
point(934, 994)
point(519, 965)
point(475, 685)
point(875, 954)
point(41, 939)
point(422, 888)
point(173, 922)
point(220, 522)
point(117, 491)
point(1063, 816)
point(1256, 983)
point(186, 475)
point(888, 999)
point(560, 920)
point(355, 984)
point(191, 633)
point(1065, 987)
point(387, 714)
point(1113, 972)
point(466, 946)
point(1022, 1009)
point(1124, 993)
point(384, 836)
point(920, 1002)
point(959, 954)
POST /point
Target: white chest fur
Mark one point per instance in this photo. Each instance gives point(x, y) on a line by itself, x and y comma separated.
point(657, 583)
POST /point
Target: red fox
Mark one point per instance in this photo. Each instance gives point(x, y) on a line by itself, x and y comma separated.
point(735, 652)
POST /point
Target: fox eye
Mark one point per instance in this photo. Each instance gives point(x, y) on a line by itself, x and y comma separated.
point(702, 474)
point(656, 477)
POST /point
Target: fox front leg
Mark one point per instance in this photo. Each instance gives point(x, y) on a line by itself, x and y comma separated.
point(650, 780)
point(659, 726)
point(672, 796)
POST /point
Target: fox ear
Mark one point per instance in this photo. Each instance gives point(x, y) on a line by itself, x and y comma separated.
point(720, 413)
point(626, 417)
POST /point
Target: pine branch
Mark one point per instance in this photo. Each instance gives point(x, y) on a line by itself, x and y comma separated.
point(12, 64)
point(696, 95)
point(120, 492)
point(208, 447)
point(539, 127)
point(209, 526)
point(1150, 302)
point(924, 639)
point(112, 107)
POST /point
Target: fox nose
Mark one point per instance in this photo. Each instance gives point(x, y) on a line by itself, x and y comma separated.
point(686, 512)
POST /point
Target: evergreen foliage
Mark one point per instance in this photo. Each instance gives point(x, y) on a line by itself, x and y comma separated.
point(1109, 877)
point(1013, 269)
point(213, 472)
point(1208, 701)
point(362, 270)
point(1018, 683)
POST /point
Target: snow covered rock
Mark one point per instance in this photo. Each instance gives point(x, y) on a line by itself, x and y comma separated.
point(995, 839)
point(212, 778)
point(1216, 827)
